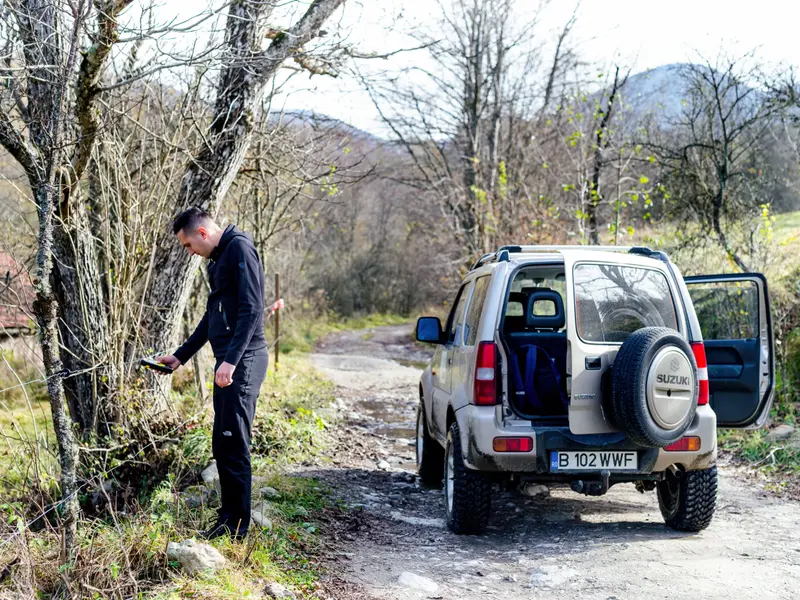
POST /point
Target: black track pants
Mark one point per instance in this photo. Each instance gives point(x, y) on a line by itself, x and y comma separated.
point(234, 409)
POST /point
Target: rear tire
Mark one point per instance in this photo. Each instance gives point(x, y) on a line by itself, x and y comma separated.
point(430, 455)
point(467, 493)
point(687, 503)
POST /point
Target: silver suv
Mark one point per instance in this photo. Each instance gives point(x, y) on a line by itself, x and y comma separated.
point(587, 367)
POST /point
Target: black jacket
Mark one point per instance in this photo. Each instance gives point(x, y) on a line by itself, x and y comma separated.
point(234, 319)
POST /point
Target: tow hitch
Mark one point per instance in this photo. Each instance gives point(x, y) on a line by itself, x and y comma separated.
point(593, 488)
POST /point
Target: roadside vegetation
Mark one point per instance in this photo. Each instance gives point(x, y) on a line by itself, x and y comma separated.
point(122, 542)
point(302, 332)
point(774, 242)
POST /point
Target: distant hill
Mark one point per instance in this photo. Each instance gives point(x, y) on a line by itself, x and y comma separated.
point(661, 93)
point(658, 91)
point(322, 121)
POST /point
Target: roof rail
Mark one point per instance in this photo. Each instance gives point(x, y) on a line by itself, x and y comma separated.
point(502, 253)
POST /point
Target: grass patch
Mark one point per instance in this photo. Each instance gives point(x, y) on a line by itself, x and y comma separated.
point(125, 556)
point(780, 458)
point(288, 425)
point(122, 553)
point(27, 440)
point(300, 334)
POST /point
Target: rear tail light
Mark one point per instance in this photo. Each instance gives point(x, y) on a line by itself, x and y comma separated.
point(512, 444)
point(699, 352)
point(485, 374)
point(686, 444)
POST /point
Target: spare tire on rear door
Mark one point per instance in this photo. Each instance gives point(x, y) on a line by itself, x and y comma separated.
point(654, 387)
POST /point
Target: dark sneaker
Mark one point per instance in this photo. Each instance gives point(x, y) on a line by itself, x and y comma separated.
point(218, 530)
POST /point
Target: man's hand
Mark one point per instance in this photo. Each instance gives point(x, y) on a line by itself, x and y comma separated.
point(169, 360)
point(224, 375)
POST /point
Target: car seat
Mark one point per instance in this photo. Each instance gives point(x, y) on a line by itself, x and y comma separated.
point(539, 357)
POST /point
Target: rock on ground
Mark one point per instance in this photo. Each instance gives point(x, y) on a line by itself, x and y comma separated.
point(270, 493)
point(197, 496)
point(781, 432)
point(417, 582)
point(210, 476)
point(261, 520)
point(552, 576)
point(536, 490)
point(276, 590)
point(195, 557)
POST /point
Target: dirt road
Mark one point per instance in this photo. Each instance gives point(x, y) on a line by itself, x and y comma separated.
point(561, 546)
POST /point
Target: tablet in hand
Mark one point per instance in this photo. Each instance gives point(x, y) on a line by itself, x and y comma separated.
point(155, 365)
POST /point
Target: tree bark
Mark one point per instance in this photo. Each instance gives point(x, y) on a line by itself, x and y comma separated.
point(46, 309)
point(83, 326)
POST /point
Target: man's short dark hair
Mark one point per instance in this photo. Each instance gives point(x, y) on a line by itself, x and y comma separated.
point(190, 219)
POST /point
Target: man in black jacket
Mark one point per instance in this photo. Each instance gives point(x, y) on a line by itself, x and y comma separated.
point(234, 324)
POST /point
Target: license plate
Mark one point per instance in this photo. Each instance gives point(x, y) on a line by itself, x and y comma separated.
point(594, 461)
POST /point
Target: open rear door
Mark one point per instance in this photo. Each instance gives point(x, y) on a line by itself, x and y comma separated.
point(734, 316)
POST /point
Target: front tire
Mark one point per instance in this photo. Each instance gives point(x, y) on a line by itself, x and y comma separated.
point(688, 502)
point(430, 455)
point(467, 493)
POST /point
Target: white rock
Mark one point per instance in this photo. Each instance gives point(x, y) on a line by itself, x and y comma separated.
point(552, 576)
point(210, 473)
point(195, 557)
point(384, 466)
point(261, 520)
point(417, 582)
point(276, 590)
point(781, 432)
point(210, 476)
point(269, 492)
point(535, 490)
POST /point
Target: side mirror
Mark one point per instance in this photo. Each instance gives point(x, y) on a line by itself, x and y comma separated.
point(429, 329)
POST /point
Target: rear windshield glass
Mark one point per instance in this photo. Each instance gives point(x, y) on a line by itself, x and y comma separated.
point(613, 301)
point(726, 310)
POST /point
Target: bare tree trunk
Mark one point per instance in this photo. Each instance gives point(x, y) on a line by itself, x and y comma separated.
point(46, 308)
point(84, 321)
point(239, 96)
point(716, 223)
point(602, 141)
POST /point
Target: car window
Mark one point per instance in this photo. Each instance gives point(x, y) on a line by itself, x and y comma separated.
point(613, 301)
point(726, 310)
point(530, 280)
point(455, 323)
point(475, 309)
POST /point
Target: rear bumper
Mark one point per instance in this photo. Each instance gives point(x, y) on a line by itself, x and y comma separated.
point(704, 426)
point(479, 425)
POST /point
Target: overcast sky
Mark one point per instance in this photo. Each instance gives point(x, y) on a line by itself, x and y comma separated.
point(638, 33)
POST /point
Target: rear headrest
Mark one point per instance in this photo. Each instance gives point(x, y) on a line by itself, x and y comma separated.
point(553, 322)
point(519, 297)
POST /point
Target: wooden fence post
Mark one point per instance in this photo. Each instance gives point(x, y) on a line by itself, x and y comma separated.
point(277, 320)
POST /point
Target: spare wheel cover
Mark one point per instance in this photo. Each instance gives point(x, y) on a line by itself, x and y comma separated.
point(670, 387)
